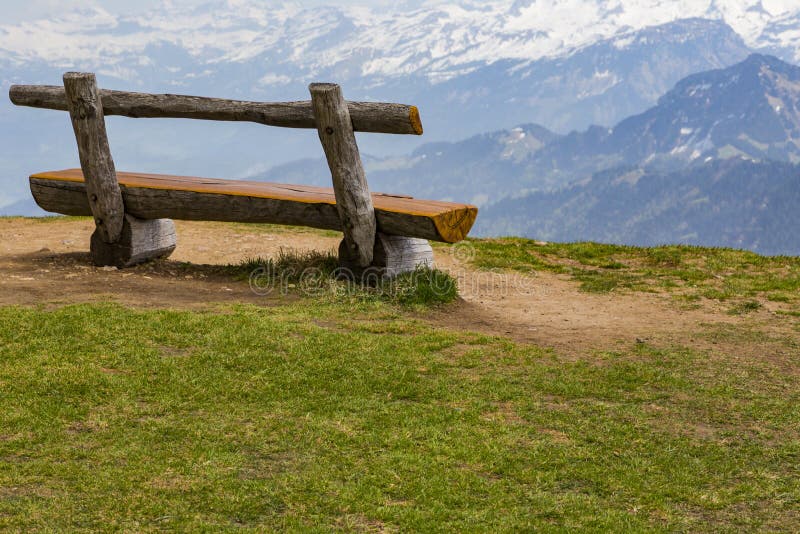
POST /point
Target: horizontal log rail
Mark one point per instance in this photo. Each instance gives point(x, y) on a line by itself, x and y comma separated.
point(375, 117)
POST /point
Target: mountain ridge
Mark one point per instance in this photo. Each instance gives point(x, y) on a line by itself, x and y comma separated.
point(733, 203)
point(435, 38)
point(711, 127)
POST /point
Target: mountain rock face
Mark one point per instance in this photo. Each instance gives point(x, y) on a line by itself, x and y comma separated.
point(601, 83)
point(750, 110)
point(732, 203)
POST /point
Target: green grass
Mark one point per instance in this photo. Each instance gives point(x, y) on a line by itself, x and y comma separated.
point(708, 272)
point(317, 274)
point(322, 415)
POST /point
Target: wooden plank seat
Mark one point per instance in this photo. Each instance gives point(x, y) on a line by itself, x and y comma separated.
point(156, 196)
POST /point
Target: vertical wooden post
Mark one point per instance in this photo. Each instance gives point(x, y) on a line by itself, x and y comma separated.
point(353, 200)
point(118, 239)
point(86, 112)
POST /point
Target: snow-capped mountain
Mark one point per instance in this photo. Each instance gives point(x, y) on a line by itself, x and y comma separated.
point(471, 66)
point(436, 40)
point(597, 84)
point(750, 110)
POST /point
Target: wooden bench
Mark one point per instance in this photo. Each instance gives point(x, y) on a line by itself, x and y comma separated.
point(133, 212)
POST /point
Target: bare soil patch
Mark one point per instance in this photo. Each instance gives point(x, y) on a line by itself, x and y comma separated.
point(47, 263)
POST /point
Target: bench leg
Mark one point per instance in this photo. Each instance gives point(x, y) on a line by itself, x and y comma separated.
point(392, 255)
point(141, 240)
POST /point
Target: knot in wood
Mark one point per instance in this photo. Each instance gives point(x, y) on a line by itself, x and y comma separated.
point(329, 130)
point(86, 108)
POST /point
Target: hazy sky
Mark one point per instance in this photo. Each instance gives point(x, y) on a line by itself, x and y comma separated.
point(15, 11)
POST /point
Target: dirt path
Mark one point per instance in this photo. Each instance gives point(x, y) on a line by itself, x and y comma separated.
point(549, 310)
point(47, 263)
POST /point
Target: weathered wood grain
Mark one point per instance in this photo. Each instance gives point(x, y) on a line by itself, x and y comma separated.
point(86, 111)
point(353, 200)
point(378, 117)
point(175, 197)
point(392, 255)
point(141, 240)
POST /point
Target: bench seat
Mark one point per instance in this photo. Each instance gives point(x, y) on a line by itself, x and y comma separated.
point(156, 196)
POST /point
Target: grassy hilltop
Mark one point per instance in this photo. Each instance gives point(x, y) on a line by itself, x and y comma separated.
point(358, 411)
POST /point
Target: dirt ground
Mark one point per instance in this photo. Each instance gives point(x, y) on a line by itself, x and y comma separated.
point(47, 263)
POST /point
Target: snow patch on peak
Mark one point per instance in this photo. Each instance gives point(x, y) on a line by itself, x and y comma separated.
point(623, 42)
point(437, 39)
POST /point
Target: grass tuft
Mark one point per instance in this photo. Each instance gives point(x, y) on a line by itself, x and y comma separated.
point(747, 306)
point(290, 266)
point(317, 274)
point(424, 286)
